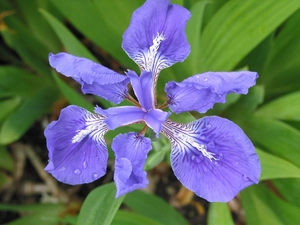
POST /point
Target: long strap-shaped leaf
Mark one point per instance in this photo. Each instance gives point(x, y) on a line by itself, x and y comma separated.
point(238, 27)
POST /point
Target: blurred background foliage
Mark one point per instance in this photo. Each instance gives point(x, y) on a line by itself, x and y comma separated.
point(225, 35)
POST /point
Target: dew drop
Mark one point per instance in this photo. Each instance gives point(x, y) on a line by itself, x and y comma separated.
point(245, 177)
point(208, 126)
point(95, 176)
point(211, 144)
point(77, 171)
point(205, 79)
point(217, 164)
point(84, 164)
point(219, 156)
point(197, 158)
point(62, 169)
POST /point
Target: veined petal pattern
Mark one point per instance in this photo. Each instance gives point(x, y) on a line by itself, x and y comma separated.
point(93, 77)
point(131, 151)
point(202, 91)
point(155, 38)
point(212, 157)
point(77, 150)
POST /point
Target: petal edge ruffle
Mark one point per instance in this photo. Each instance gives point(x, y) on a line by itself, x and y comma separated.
point(200, 92)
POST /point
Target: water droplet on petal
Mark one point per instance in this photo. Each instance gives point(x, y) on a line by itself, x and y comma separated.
point(62, 169)
point(197, 158)
point(95, 176)
point(202, 137)
point(211, 144)
point(245, 177)
point(205, 79)
point(77, 171)
point(219, 156)
point(217, 164)
point(208, 126)
point(84, 164)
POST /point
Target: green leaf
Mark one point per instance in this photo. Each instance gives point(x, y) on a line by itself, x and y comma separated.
point(46, 214)
point(73, 97)
point(100, 206)
point(7, 106)
point(70, 42)
point(246, 104)
point(29, 48)
point(162, 212)
point(160, 148)
point(263, 207)
point(18, 122)
point(17, 82)
point(129, 218)
point(6, 161)
point(37, 24)
point(123, 11)
point(92, 25)
point(30, 208)
point(289, 189)
point(285, 108)
point(238, 27)
point(281, 73)
point(219, 213)
point(193, 32)
point(275, 137)
point(274, 167)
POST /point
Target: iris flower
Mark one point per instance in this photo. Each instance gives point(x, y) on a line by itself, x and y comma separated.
point(211, 156)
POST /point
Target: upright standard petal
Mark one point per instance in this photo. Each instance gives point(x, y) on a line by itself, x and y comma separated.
point(94, 78)
point(202, 91)
point(155, 38)
point(77, 150)
point(131, 151)
point(143, 88)
point(212, 157)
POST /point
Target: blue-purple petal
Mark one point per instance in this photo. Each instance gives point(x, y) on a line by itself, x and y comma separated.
point(155, 118)
point(77, 150)
point(131, 151)
point(143, 88)
point(121, 116)
point(160, 25)
point(93, 77)
point(212, 157)
point(202, 91)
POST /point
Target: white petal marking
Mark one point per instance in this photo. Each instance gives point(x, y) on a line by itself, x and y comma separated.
point(94, 125)
point(180, 135)
point(153, 51)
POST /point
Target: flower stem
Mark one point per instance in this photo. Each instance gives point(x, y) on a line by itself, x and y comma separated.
point(132, 100)
point(143, 131)
point(164, 105)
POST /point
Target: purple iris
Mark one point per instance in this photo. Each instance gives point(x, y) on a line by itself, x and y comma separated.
point(210, 156)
